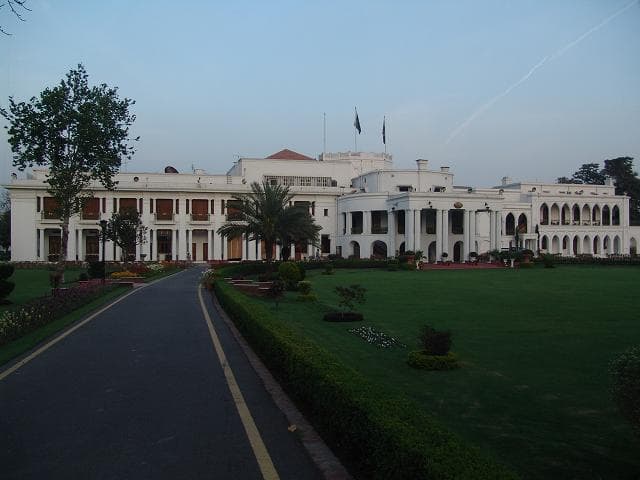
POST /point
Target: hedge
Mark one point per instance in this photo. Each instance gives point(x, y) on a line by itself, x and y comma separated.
point(380, 435)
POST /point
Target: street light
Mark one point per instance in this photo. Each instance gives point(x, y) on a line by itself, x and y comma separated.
point(103, 226)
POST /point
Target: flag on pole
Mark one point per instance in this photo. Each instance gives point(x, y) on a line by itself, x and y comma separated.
point(356, 123)
point(384, 130)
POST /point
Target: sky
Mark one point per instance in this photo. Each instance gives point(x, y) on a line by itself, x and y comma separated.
point(529, 89)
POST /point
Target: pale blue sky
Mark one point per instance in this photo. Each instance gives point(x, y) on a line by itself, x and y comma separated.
point(217, 79)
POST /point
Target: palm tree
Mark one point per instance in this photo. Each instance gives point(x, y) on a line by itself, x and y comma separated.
point(266, 214)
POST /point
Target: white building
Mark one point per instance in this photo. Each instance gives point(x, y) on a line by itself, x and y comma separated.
point(365, 208)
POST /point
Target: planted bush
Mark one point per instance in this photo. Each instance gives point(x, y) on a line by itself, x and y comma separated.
point(290, 274)
point(625, 371)
point(435, 342)
point(6, 286)
point(96, 270)
point(418, 359)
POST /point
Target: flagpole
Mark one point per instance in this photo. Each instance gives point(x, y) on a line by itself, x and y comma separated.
point(324, 135)
point(355, 132)
point(384, 130)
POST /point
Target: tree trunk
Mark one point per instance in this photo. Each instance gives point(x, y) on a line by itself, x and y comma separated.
point(64, 242)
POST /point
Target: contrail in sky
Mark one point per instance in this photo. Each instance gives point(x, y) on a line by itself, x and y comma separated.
point(487, 105)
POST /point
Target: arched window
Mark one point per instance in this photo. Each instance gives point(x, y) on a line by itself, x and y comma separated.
point(544, 214)
point(576, 213)
point(510, 225)
point(544, 245)
point(522, 223)
point(606, 215)
point(615, 215)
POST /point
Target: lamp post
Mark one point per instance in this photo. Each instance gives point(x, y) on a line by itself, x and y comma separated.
point(103, 226)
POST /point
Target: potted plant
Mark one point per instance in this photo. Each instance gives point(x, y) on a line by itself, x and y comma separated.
point(444, 256)
point(473, 257)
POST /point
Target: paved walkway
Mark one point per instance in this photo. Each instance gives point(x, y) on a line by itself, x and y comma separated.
point(139, 392)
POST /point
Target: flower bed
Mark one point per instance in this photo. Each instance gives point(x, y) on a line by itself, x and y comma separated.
point(27, 317)
point(375, 337)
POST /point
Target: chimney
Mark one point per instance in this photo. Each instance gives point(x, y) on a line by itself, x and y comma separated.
point(608, 181)
point(444, 169)
point(422, 163)
point(506, 181)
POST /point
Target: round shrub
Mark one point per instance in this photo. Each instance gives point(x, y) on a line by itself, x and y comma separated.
point(393, 265)
point(6, 270)
point(83, 277)
point(435, 342)
point(422, 360)
point(308, 297)
point(625, 371)
point(96, 270)
point(6, 287)
point(290, 274)
point(304, 287)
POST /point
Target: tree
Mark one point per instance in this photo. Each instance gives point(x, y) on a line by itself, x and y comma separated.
point(80, 133)
point(350, 295)
point(566, 180)
point(126, 230)
point(590, 174)
point(16, 7)
point(627, 183)
point(266, 214)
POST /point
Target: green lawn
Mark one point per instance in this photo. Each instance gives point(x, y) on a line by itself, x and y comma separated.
point(535, 346)
point(33, 283)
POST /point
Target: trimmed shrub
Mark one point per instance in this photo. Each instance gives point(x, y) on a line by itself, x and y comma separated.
point(6, 270)
point(308, 297)
point(95, 270)
point(379, 434)
point(290, 274)
point(548, 260)
point(422, 360)
point(304, 287)
point(343, 317)
point(393, 265)
point(435, 342)
point(83, 277)
point(328, 269)
point(526, 265)
point(625, 371)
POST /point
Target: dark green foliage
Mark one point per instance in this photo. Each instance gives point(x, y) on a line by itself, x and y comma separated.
point(126, 230)
point(350, 295)
point(276, 290)
point(6, 287)
point(625, 371)
point(6, 270)
point(548, 260)
point(328, 268)
point(83, 277)
point(422, 360)
point(343, 317)
point(80, 133)
point(95, 270)
point(304, 287)
point(267, 215)
point(290, 274)
point(379, 434)
point(309, 297)
point(435, 342)
point(393, 265)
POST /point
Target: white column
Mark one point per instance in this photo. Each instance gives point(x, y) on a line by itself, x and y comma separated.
point(445, 233)
point(347, 218)
point(251, 245)
point(217, 245)
point(366, 215)
point(210, 244)
point(43, 256)
point(408, 230)
point(465, 237)
point(497, 229)
point(472, 231)
point(80, 245)
point(438, 235)
point(416, 229)
point(492, 231)
point(391, 232)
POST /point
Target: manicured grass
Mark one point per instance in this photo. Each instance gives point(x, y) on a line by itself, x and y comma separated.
point(535, 347)
point(29, 341)
point(33, 283)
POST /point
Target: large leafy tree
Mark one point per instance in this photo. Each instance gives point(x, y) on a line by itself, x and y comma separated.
point(266, 214)
point(590, 174)
point(80, 133)
point(126, 230)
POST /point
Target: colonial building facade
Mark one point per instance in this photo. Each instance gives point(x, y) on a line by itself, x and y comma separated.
point(364, 206)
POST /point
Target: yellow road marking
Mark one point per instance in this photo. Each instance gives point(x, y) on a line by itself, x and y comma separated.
point(259, 449)
point(51, 343)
